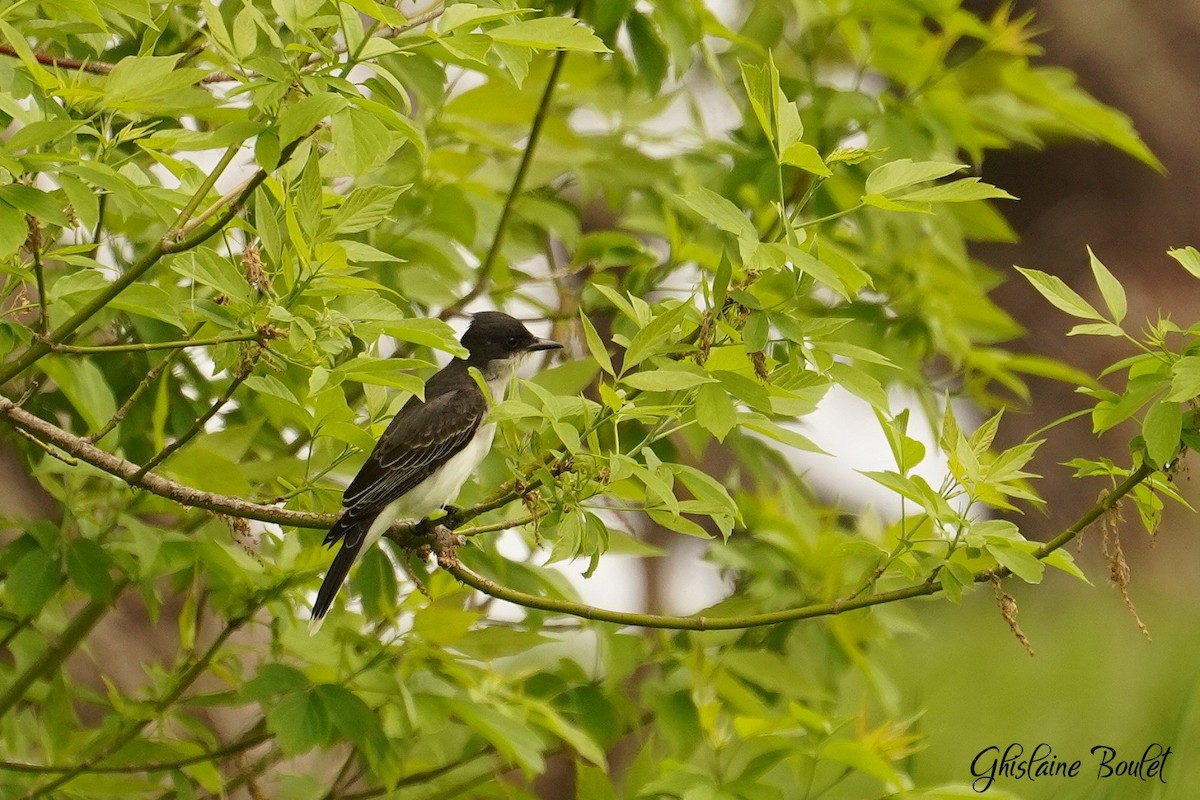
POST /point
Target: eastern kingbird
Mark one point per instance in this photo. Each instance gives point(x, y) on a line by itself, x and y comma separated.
point(431, 446)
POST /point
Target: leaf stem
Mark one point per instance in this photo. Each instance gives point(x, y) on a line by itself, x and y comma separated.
point(138, 391)
point(828, 217)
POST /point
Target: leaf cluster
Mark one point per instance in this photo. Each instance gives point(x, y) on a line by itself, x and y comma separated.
point(233, 239)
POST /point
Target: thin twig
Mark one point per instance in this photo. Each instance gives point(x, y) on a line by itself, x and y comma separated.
point(226, 199)
point(101, 207)
point(185, 214)
point(35, 252)
point(94, 67)
point(50, 451)
point(196, 427)
point(126, 470)
point(488, 265)
point(252, 738)
point(145, 347)
point(140, 389)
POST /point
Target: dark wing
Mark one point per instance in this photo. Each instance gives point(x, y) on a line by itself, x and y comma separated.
point(419, 439)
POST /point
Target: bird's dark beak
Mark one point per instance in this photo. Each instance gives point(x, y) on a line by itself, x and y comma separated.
point(543, 344)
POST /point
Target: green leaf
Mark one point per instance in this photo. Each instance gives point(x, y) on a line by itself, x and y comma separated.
point(1063, 560)
point(1188, 258)
point(715, 412)
point(1096, 329)
point(649, 51)
point(350, 716)
point(88, 568)
point(13, 230)
point(1060, 295)
point(888, 204)
point(595, 344)
point(576, 738)
point(365, 208)
point(1004, 541)
point(549, 33)
point(31, 582)
point(20, 45)
point(360, 140)
point(761, 84)
point(514, 739)
point(806, 157)
point(1185, 379)
point(889, 178)
point(1111, 411)
point(426, 332)
point(84, 384)
point(1018, 560)
point(756, 332)
point(380, 372)
point(273, 680)
point(955, 579)
point(299, 722)
point(245, 32)
point(725, 215)
point(46, 207)
point(148, 301)
point(656, 335)
point(1161, 428)
point(963, 190)
point(136, 82)
point(863, 758)
point(205, 267)
point(779, 433)
point(299, 118)
point(1110, 288)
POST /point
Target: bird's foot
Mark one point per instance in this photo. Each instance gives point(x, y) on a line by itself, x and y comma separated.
point(445, 546)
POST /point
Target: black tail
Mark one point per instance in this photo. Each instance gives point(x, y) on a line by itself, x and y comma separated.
point(352, 532)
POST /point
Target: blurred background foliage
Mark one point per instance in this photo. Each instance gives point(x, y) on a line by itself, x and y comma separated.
point(732, 213)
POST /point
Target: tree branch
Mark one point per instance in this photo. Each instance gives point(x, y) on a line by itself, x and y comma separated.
point(408, 534)
point(94, 67)
point(413, 534)
point(34, 242)
point(448, 560)
point(210, 180)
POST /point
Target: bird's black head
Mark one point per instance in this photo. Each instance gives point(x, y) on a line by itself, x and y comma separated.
point(497, 337)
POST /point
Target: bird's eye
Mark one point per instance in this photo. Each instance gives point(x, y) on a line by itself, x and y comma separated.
point(513, 341)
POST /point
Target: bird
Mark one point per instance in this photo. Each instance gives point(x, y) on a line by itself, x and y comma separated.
point(430, 448)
